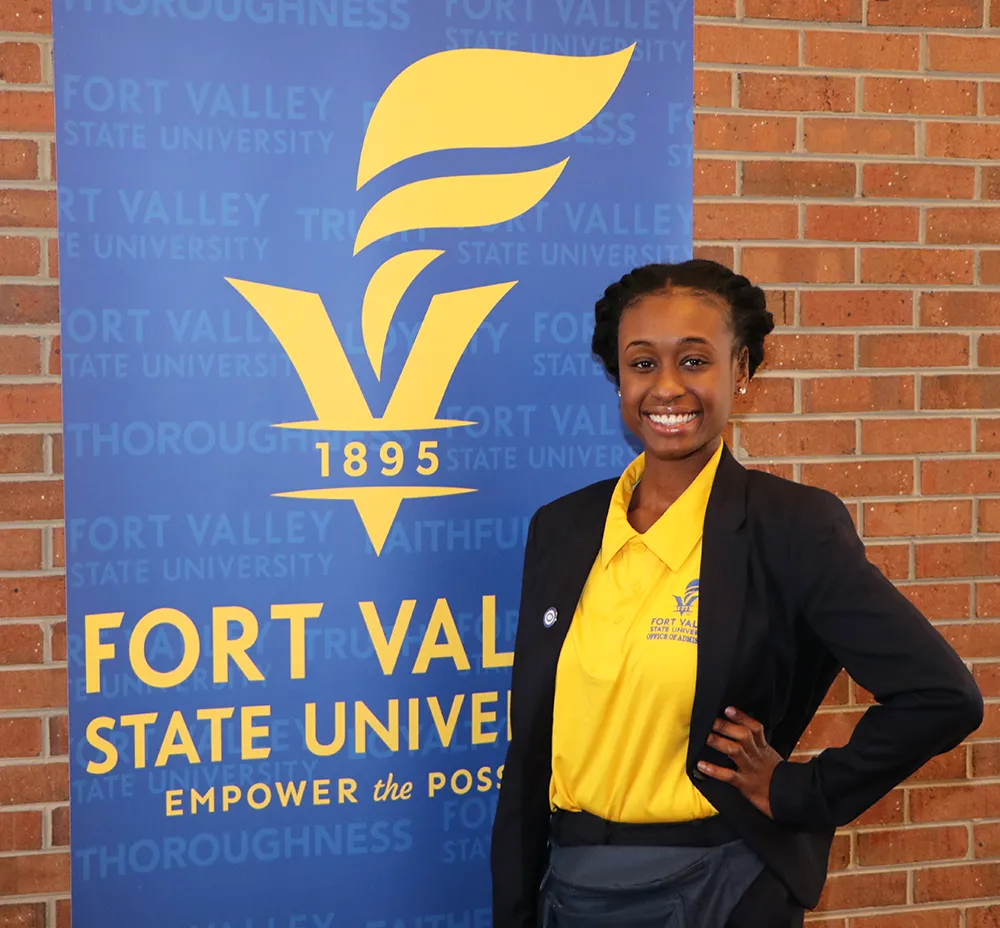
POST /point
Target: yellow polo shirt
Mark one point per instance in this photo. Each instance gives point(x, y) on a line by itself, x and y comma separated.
point(626, 677)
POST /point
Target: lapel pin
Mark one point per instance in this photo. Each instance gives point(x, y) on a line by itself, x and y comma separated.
point(549, 619)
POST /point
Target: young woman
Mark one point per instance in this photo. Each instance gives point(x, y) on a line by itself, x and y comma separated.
point(678, 629)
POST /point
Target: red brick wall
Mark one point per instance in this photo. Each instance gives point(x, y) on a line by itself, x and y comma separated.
point(843, 159)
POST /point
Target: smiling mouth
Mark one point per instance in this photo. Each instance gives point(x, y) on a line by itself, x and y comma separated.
point(671, 423)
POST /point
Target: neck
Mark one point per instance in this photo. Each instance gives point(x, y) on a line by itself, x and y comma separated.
point(663, 482)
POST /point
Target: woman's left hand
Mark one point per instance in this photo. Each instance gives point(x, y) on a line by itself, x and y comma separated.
point(742, 739)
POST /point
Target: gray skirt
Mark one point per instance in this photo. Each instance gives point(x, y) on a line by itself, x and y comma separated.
point(604, 885)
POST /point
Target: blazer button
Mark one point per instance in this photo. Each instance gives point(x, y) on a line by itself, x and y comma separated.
point(697, 774)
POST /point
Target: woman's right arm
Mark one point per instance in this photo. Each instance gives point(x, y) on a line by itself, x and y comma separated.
point(520, 827)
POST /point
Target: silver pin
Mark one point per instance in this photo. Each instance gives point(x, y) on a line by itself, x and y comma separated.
point(549, 619)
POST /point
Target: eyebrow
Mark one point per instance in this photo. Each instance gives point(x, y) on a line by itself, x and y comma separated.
point(687, 340)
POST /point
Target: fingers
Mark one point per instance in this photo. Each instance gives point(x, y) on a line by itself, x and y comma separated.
point(725, 745)
point(718, 773)
point(739, 733)
point(755, 728)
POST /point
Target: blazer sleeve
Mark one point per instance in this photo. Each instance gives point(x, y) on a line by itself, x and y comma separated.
point(926, 700)
point(520, 828)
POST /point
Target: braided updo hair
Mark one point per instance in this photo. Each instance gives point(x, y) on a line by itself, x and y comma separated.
point(750, 320)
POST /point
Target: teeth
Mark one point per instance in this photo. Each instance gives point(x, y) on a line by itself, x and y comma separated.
point(673, 420)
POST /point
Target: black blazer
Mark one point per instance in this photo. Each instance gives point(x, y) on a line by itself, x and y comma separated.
point(787, 599)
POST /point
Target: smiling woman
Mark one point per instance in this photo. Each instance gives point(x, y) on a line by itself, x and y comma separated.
point(710, 608)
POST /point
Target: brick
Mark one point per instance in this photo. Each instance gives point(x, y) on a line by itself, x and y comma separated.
point(965, 54)
point(950, 766)
point(934, 918)
point(25, 16)
point(28, 208)
point(928, 350)
point(713, 88)
point(865, 478)
point(31, 597)
point(923, 517)
point(57, 454)
point(27, 111)
point(22, 914)
point(968, 881)
point(839, 693)
point(973, 225)
point(803, 265)
point(20, 354)
point(960, 391)
point(857, 308)
point(915, 436)
point(991, 100)
point(840, 852)
point(989, 267)
point(857, 394)
point(988, 600)
point(826, 11)
point(20, 63)
point(797, 438)
point(20, 831)
point(718, 253)
point(58, 735)
point(22, 502)
point(714, 178)
point(987, 678)
point(963, 140)
point(964, 308)
point(714, 7)
point(860, 136)
point(739, 221)
point(938, 600)
point(744, 45)
point(54, 363)
point(766, 395)
point(920, 97)
point(60, 826)
point(19, 257)
point(962, 476)
point(985, 760)
point(52, 245)
point(958, 559)
point(857, 51)
point(986, 842)
point(919, 181)
point(781, 305)
point(916, 266)
point(63, 913)
point(863, 223)
point(829, 730)
point(33, 783)
point(798, 179)
point(887, 811)
point(33, 402)
point(20, 737)
point(926, 13)
point(59, 641)
point(991, 183)
point(909, 845)
point(989, 516)
point(796, 93)
point(718, 132)
point(58, 547)
point(35, 873)
point(862, 891)
point(810, 352)
point(33, 689)
point(21, 644)
point(28, 305)
point(953, 803)
point(18, 159)
point(20, 549)
point(988, 435)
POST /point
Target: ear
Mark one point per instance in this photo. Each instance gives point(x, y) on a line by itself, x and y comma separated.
point(741, 370)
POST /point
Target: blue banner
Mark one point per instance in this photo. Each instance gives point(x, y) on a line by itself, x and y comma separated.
point(328, 270)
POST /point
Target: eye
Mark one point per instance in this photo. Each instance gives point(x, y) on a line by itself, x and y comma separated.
point(692, 363)
point(642, 364)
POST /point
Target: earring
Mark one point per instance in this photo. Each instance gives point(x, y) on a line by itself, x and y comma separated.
point(743, 390)
point(619, 394)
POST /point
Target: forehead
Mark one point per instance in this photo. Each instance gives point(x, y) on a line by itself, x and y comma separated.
point(675, 314)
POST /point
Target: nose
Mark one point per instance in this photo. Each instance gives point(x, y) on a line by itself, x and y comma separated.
point(669, 385)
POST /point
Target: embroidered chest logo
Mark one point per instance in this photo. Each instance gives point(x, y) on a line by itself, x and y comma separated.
point(682, 626)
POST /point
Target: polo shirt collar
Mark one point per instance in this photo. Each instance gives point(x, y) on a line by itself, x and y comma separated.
point(674, 535)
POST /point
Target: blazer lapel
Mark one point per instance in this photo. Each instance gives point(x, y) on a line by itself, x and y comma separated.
point(722, 587)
